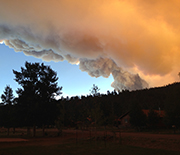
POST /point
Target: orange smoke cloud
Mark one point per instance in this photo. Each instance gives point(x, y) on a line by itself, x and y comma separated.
point(136, 36)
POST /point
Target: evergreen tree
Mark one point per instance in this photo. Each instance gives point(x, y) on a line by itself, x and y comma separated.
point(8, 112)
point(94, 90)
point(137, 117)
point(7, 97)
point(37, 97)
point(152, 119)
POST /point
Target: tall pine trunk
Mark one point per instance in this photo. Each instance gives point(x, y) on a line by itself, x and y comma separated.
point(28, 131)
point(43, 130)
point(34, 130)
point(8, 131)
point(14, 130)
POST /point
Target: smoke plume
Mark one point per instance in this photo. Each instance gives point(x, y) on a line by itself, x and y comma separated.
point(136, 41)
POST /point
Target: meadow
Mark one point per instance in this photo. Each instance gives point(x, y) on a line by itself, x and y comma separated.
point(84, 149)
point(75, 142)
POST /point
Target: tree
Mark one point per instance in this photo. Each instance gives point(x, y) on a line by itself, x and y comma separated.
point(95, 113)
point(37, 97)
point(172, 108)
point(8, 110)
point(152, 119)
point(94, 90)
point(137, 117)
point(7, 96)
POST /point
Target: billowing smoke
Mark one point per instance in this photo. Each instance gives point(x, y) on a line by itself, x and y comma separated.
point(132, 40)
point(105, 66)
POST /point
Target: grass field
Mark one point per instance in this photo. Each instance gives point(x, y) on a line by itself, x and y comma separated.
point(84, 149)
point(73, 143)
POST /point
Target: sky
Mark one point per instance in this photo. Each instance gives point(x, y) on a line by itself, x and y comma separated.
point(73, 81)
point(118, 44)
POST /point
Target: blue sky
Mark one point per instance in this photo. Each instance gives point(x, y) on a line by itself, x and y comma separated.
point(74, 81)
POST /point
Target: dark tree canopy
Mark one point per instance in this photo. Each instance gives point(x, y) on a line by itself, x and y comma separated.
point(38, 92)
point(152, 119)
point(7, 96)
point(137, 117)
point(39, 79)
point(172, 108)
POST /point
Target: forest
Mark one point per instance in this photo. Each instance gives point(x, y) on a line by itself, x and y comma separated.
point(37, 106)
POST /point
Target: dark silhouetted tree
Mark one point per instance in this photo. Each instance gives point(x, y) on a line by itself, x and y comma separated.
point(37, 97)
point(152, 119)
point(137, 117)
point(7, 97)
point(94, 90)
point(8, 112)
point(172, 109)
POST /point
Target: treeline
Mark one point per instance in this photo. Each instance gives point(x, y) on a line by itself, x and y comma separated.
point(106, 109)
point(37, 106)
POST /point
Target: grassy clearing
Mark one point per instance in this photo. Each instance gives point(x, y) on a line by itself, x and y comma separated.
point(84, 146)
point(84, 149)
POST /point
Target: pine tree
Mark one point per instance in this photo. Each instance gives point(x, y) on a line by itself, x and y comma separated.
point(7, 96)
point(37, 96)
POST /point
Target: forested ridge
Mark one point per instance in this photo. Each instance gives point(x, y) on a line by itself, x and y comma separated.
point(36, 104)
point(114, 104)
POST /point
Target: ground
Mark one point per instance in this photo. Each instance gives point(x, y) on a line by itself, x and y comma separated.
point(145, 140)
